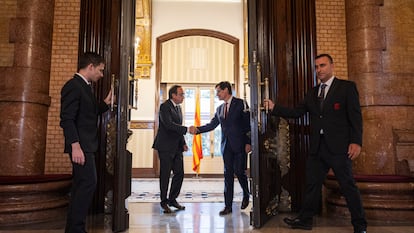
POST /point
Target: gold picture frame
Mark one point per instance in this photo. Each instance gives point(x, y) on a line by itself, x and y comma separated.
point(143, 18)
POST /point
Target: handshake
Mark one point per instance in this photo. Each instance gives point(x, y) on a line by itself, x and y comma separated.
point(192, 130)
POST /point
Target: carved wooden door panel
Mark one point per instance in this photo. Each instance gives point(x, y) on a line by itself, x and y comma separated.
point(107, 27)
point(265, 180)
point(122, 159)
point(281, 50)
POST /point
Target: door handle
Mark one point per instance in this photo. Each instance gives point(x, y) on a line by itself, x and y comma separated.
point(259, 95)
point(262, 107)
point(266, 95)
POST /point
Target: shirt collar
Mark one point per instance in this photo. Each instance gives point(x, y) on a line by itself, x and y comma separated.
point(229, 100)
point(84, 79)
point(329, 82)
point(175, 105)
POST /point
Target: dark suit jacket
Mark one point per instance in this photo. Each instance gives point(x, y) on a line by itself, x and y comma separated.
point(170, 136)
point(234, 129)
point(79, 115)
point(341, 118)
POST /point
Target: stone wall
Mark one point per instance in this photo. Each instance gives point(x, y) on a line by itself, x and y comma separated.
point(7, 11)
point(331, 33)
point(64, 65)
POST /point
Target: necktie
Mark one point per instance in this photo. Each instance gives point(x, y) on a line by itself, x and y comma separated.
point(225, 111)
point(91, 87)
point(178, 109)
point(321, 96)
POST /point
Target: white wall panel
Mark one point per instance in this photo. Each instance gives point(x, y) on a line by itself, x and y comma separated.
point(197, 59)
point(140, 145)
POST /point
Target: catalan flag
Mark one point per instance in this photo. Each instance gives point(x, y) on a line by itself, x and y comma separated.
point(197, 147)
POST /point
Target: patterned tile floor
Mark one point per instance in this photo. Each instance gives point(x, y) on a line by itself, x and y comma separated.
point(193, 190)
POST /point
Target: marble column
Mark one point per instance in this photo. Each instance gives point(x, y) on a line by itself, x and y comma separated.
point(24, 90)
point(381, 62)
point(27, 195)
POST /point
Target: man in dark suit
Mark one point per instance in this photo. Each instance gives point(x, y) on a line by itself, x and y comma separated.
point(235, 142)
point(170, 144)
point(79, 119)
point(336, 140)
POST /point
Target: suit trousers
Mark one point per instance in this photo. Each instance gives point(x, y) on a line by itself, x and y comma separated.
point(83, 187)
point(234, 163)
point(316, 170)
point(170, 161)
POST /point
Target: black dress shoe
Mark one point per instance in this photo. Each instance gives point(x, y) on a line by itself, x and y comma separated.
point(360, 231)
point(244, 203)
point(166, 209)
point(290, 221)
point(297, 223)
point(176, 205)
point(226, 211)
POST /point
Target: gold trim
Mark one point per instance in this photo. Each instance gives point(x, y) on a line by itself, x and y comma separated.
point(245, 65)
point(141, 125)
point(143, 24)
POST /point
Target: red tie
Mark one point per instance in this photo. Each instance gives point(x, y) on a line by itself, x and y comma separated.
point(225, 111)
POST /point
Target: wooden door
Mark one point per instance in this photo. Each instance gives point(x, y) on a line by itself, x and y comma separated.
point(281, 50)
point(108, 28)
point(123, 158)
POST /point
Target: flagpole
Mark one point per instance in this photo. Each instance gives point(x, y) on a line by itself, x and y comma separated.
point(197, 140)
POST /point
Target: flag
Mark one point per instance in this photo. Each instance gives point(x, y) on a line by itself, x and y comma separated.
point(197, 148)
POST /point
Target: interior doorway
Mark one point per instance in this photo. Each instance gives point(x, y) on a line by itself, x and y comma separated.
point(196, 59)
point(208, 24)
point(279, 47)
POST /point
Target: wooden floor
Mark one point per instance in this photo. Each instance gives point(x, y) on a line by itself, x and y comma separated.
point(204, 218)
